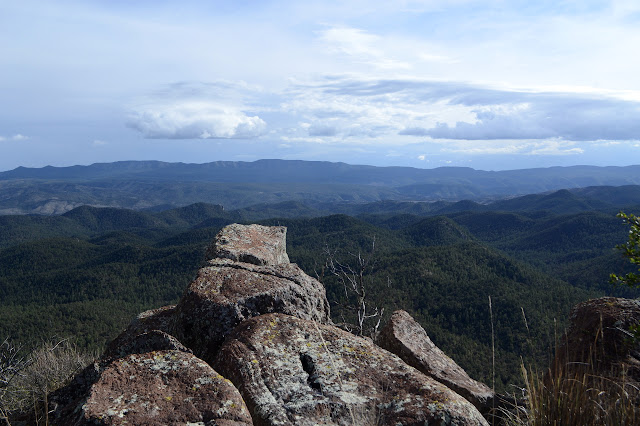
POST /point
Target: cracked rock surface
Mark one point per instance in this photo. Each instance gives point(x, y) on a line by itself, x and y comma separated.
point(227, 292)
point(298, 372)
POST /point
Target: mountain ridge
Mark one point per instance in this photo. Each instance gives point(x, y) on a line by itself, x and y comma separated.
point(281, 169)
point(155, 185)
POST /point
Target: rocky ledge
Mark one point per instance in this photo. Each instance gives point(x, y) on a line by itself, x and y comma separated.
point(251, 342)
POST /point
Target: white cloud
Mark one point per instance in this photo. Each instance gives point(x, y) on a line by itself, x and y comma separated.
point(198, 111)
point(16, 137)
point(437, 58)
point(99, 142)
point(555, 148)
point(318, 129)
point(422, 157)
point(201, 120)
point(362, 110)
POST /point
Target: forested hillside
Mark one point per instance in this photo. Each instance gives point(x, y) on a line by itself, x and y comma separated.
point(86, 273)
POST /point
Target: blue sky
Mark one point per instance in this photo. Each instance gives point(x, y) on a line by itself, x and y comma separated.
point(486, 84)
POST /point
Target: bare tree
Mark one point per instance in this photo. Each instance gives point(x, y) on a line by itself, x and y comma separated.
point(355, 276)
point(12, 365)
point(27, 379)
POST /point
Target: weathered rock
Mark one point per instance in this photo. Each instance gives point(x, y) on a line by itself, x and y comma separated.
point(257, 244)
point(298, 372)
point(406, 338)
point(158, 388)
point(599, 337)
point(141, 336)
point(228, 292)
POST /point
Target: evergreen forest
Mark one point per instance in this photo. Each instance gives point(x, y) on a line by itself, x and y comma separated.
point(86, 273)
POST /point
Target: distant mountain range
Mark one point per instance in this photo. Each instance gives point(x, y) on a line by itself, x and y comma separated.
point(155, 185)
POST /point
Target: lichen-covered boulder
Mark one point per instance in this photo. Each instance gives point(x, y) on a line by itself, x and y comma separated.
point(144, 334)
point(406, 338)
point(226, 292)
point(298, 372)
point(158, 388)
point(257, 244)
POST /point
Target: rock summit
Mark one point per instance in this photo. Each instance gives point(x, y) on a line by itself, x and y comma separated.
point(251, 342)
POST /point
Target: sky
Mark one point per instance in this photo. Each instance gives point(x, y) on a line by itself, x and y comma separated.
point(490, 84)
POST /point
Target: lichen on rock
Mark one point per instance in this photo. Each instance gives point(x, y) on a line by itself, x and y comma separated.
point(229, 290)
point(256, 244)
point(406, 338)
point(298, 372)
point(159, 388)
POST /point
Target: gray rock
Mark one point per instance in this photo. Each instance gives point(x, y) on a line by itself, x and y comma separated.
point(159, 388)
point(144, 334)
point(154, 340)
point(298, 372)
point(406, 338)
point(257, 244)
point(227, 292)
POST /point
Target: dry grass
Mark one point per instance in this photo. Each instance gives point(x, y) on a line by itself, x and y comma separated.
point(577, 398)
point(46, 369)
point(577, 395)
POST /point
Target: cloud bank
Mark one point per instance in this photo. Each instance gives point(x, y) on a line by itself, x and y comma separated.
point(460, 117)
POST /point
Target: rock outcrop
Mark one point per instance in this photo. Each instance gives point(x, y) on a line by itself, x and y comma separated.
point(260, 245)
point(299, 372)
point(246, 281)
point(599, 336)
point(404, 337)
point(251, 342)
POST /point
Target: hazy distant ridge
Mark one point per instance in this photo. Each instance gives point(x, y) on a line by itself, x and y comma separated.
point(155, 184)
point(328, 172)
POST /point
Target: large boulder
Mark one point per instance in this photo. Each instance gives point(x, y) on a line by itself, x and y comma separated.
point(599, 336)
point(158, 388)
point(257, 244)
point(406, 338)
point(229, 290)
point(144, 334)
point(298, 372)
